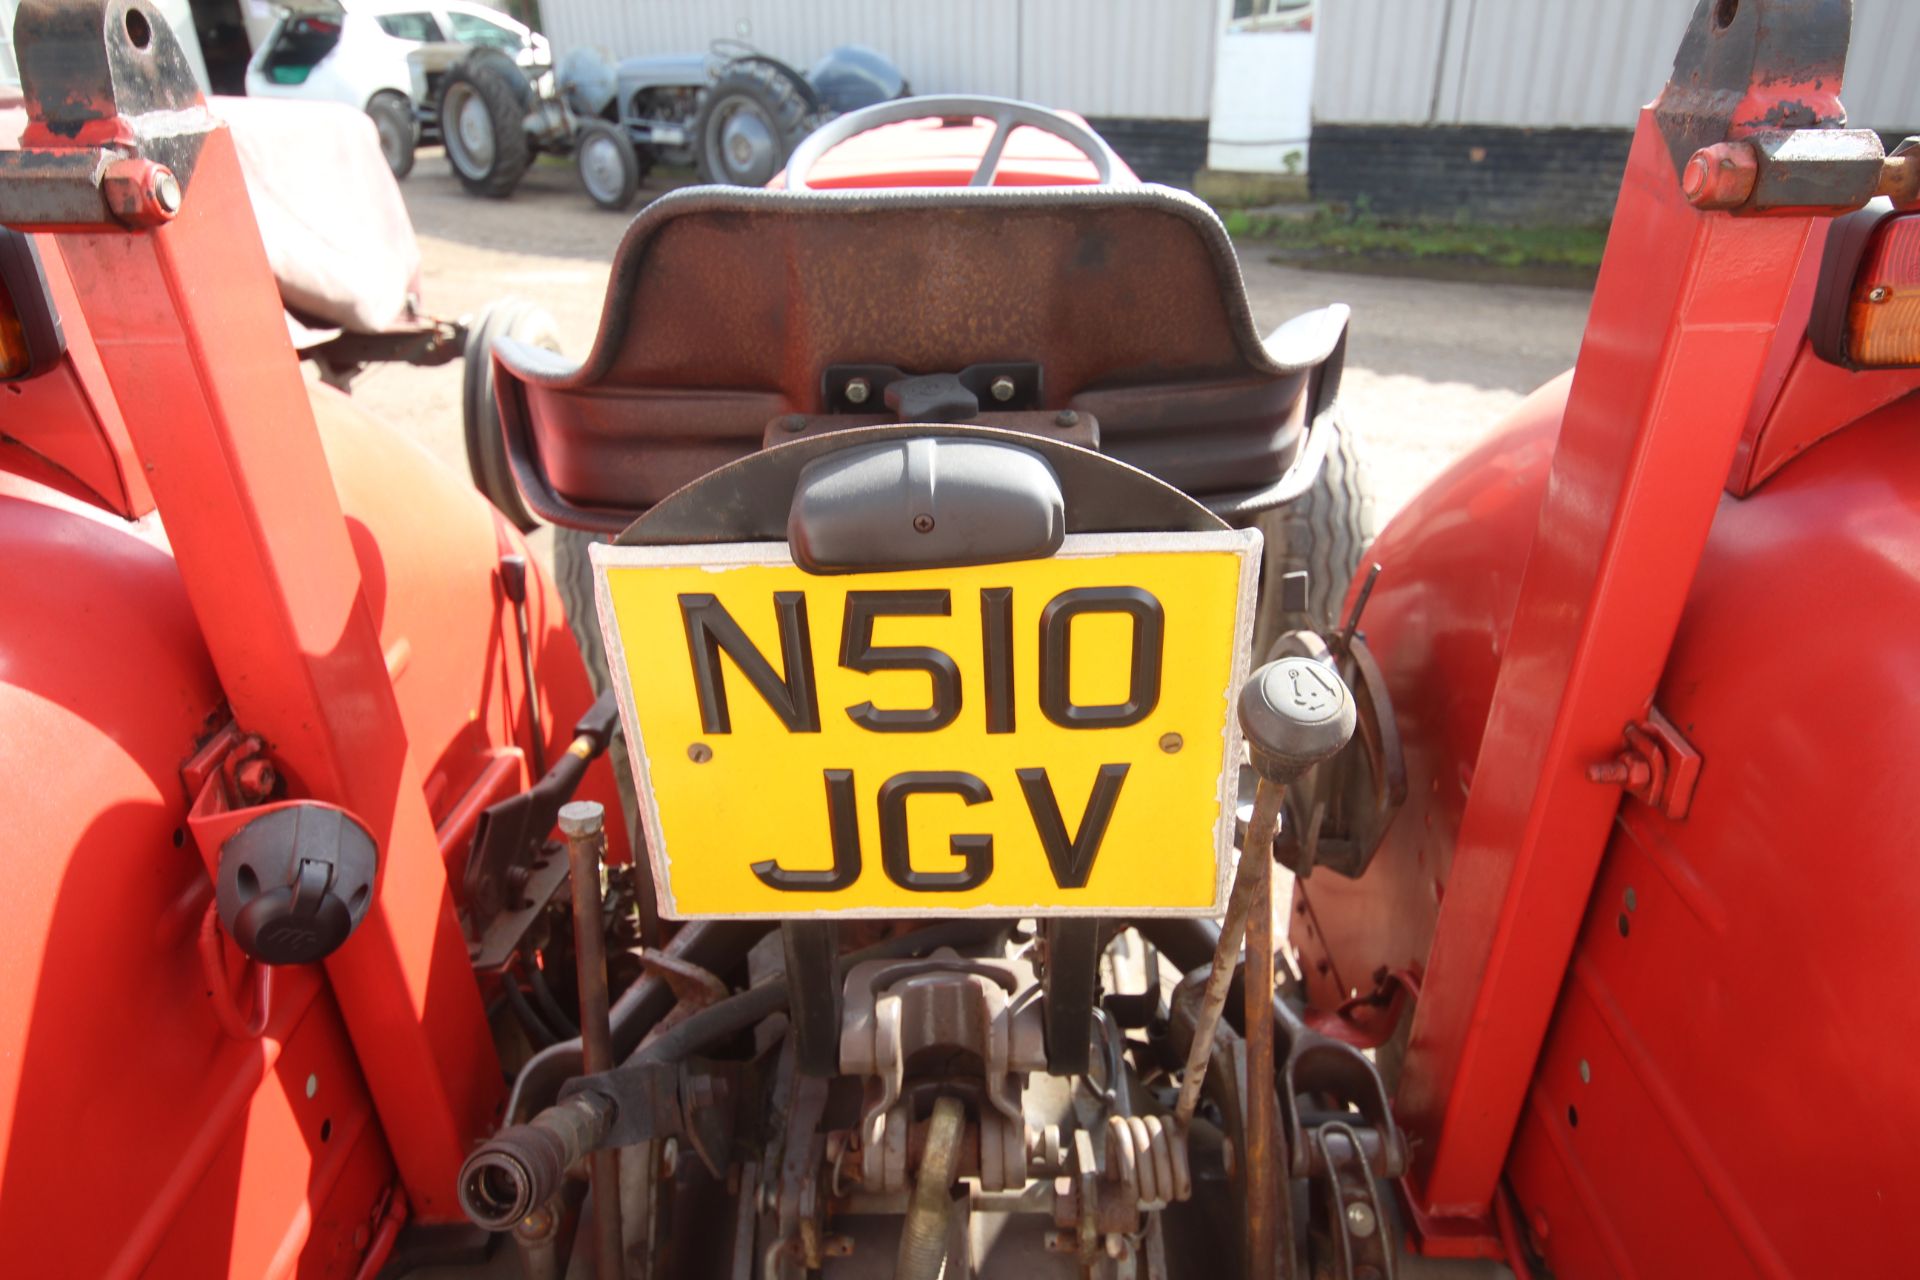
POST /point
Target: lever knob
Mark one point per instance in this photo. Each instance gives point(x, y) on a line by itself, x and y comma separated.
point(1294, 712)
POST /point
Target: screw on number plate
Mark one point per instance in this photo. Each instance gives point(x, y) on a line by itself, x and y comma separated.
point(1171, 742)
point(699, 753)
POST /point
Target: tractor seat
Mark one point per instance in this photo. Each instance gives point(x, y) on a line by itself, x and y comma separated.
point(730, 309)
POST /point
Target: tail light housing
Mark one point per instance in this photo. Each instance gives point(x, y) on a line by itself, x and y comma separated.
point(1866, 311)
point(30, 338)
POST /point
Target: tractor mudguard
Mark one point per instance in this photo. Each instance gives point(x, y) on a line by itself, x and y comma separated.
point(1659, 1115)
point(264, 1141)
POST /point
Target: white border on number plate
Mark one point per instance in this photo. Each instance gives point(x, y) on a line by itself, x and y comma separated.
point(1245, 542)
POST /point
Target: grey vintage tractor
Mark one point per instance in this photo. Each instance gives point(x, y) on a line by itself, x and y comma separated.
point(733, 113)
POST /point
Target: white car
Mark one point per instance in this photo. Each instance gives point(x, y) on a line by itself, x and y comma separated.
point(355, 51)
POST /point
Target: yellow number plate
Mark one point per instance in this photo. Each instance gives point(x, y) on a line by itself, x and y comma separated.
point(1042, 737)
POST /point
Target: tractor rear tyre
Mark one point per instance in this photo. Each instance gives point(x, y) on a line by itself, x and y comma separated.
point(483, 112)
point(1324, 531)
point(609, 166)
point(392, 118)
point(479, 413)
point(748, 123)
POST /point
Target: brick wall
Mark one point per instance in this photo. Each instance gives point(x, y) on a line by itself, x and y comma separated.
point(1169, 151)
point(1483, 173)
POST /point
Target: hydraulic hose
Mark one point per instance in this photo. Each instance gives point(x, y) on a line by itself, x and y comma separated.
point(924, 1234)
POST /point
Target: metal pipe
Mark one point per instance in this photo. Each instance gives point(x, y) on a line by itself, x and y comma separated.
point(1264, 1167)
point(924, 1234)
point(1261, 829)
point(583, 823)
point(718, 945)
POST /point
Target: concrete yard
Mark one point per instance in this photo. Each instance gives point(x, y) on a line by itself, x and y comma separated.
point(1430, 367)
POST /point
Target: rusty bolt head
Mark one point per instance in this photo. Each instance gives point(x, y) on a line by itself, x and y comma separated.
point(1002, 389)
point(255, 778)
point(1720, 176)
point(923, 524)
point(858, 390)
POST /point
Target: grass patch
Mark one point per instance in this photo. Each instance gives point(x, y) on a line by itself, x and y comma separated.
point(1326, 234)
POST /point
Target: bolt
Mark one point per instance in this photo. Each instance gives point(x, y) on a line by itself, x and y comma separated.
point(699, 753)
point(858, 389)
point(1002, 389)
point(313, 1085)
point(1171, 742)
point(582, 818)
point(166, 191)
point(1586, 1072)
point(1360, 1219)
point(1877, 294)
point(793, 423)
point(1066, 418)
point(255, 779)
point(1721, 176)
point(923, 524)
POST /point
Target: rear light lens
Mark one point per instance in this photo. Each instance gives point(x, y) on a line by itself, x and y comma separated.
point(30, 337)
point(1883, 312)
point(15, 357)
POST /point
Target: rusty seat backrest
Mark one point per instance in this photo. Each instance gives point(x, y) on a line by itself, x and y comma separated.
point(727, 305)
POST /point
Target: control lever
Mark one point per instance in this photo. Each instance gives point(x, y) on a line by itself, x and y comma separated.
point(1294, 713)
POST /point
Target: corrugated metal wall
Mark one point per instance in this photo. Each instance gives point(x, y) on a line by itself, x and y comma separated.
point(1147, 59)
point(1545, 63)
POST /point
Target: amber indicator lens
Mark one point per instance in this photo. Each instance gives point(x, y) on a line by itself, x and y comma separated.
point(15, 357)
point(1883, 317)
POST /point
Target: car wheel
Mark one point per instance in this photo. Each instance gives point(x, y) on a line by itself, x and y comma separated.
point(749, 122)
point(483, 110)
point(393, 121)
point(609, 167)
point(480, 413)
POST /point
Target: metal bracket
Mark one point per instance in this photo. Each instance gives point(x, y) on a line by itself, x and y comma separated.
point(116, 121)
point(1657, 766)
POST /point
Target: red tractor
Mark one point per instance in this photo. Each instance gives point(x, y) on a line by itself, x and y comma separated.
point(952, 684)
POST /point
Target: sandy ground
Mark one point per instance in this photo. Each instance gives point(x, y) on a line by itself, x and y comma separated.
point(1431, 365)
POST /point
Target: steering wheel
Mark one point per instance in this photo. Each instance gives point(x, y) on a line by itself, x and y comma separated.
point(1006, 114)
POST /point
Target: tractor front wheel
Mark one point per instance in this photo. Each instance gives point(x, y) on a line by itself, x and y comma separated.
point(393, 120)
point(609, 166)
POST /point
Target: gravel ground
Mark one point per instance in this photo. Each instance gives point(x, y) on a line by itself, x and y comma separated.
point(1430, 366)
